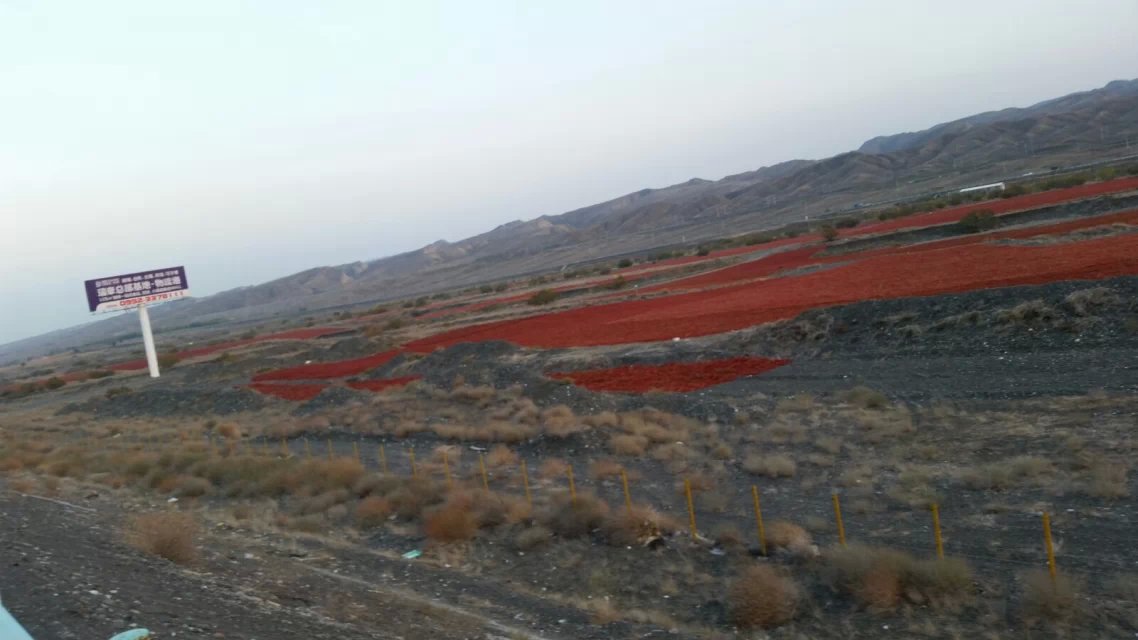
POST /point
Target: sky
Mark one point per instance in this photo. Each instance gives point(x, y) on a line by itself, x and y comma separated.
point(248, 140)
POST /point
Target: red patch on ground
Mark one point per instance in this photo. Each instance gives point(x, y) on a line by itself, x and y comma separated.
point(1018, 203)
point(920, 270)
point(295, 392)
point(674, 376)
point(325, 370)
point(380, 385)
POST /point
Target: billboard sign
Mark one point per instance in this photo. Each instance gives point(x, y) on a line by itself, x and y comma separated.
point(133, 289)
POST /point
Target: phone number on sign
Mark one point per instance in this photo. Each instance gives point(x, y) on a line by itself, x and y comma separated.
point(158, 297)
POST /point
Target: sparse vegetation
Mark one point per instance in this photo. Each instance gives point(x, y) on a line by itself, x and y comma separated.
point(170, 535)
point(543, 297)
point(761, 598)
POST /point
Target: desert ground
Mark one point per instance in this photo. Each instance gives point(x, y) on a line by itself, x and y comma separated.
point(856, 431)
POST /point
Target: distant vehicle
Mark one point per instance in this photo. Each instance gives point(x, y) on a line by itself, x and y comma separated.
point(995, 186)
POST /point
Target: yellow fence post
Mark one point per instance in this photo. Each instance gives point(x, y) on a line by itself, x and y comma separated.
point(482, 467)
point(525, 483)
point(329, 441)
point(383, 458)
point(356, 450)
point(411, 455)
point(572, 484)
point(284, 447)
point(936, 531)
point(759, 520)
point(307, 449)
point(446, 468)
point(838, 517)
point(1050, 548)
point(627, 495)
point(691, 507)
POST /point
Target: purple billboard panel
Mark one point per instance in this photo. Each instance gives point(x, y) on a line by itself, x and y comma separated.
point(130, 290)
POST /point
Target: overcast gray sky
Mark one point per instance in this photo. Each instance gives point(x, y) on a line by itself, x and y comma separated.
point(250, 140)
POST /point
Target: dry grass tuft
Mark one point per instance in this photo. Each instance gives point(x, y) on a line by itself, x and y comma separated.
point(560, 422)
point(881, 578)
point(553, 468)
point(1043, 598)
point(628, 445)
point(789, 536)
point(761, 598)
point(603, 420)
point(605, 469)
point(1005, 474)
point(776, 466)
point(453, 521)
point(532, 538)
point(1108, 479)
point(372, 512)
point(229, 431)
point(626, 528)
point(571, 518)
point(865, 398)
point(800, 403)
point(501, 456)
point(168, 535)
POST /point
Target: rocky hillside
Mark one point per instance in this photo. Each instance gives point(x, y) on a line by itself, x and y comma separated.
point(1080, 127)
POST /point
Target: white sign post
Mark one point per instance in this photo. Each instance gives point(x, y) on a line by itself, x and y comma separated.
point(138, 290)
point(148, 341)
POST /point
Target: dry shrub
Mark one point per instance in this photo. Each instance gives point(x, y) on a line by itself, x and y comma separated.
point(481, 396)
point(776, 466)
point(721, 451)
point(321, 502)
point(1005, 474)
point(728, 536)
point(784, 432)
point(501, 456)
point(880, 588)
point(865, 398)
point(229, 431)
point(451, 522)
point(829, 444)
point(553, 468)
point(607, 468)
point(1108, 479)
point(1085, 302)
point(373, 511)
point(339, 472)
point(761, 598)
point(560, 422)
point(628, 445)
point(603, 612)
point(884, 426)
point(1043, 598)
point(882, 578)
point(526, 412)
point(191, 487)
point(507, 432)
point(168, 535)
point(603, 420)
point(407, 427)
point(306, 524)
point(448, 452)
point(800, 403)
point(636, 526)
point(781, 534)
point(414, 495)
point(532, 538)
point(674, 452)
point(699, 483)
point(456, 432)
point(575, 517)
point(376, 484)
